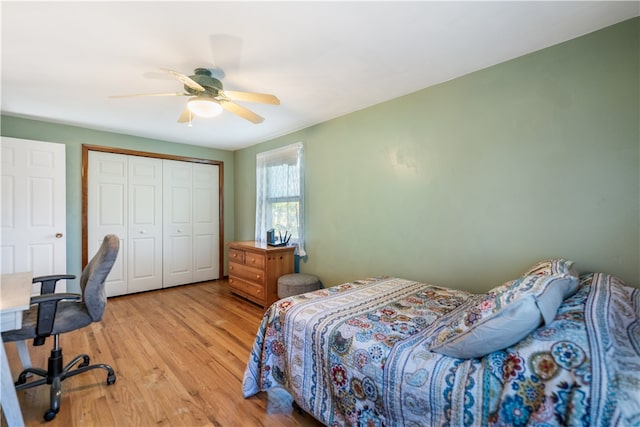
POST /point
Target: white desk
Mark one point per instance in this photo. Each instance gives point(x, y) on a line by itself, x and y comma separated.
point(15, 294)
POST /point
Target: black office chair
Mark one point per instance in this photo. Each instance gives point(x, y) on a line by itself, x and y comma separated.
point(53, 314)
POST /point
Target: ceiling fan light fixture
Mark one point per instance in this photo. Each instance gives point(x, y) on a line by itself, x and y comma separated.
point(203, 106)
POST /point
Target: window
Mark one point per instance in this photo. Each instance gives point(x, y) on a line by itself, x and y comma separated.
point(280, 194)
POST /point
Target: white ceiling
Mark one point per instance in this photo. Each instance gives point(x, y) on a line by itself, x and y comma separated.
point(62, 60)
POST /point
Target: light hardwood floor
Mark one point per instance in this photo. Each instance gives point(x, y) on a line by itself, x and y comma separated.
point(179, 355)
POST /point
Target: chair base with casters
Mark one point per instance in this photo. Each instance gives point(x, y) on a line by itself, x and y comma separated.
point(56, 373)
point(52, 314)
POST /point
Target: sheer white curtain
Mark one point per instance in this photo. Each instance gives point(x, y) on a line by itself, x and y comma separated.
point(280, 194)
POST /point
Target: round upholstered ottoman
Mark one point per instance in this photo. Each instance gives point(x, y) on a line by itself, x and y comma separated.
point(296, 284)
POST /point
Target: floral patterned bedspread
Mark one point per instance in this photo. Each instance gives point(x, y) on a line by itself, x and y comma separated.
point(357, 354)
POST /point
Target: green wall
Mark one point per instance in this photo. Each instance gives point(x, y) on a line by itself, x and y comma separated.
point(74, 137)
point(469, 182)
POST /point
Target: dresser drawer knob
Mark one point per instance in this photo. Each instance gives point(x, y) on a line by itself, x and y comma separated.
point(257, 276)
point(230, 267)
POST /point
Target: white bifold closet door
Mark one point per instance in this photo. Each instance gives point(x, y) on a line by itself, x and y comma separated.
point(145, 224)
point(166, 214)
point(191, 222)
point(125, 198)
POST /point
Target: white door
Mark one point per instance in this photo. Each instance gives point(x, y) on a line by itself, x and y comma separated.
point(206, 222)
point(145, 223)
point(178, 223)
point(107, 212)
point(33, 208)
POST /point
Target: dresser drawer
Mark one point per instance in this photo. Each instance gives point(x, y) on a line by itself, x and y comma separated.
point(236, 255)
point(248, 290)
point(247, 273)
point(255, 260)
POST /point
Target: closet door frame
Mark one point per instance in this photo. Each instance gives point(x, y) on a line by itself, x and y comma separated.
point(85, 191)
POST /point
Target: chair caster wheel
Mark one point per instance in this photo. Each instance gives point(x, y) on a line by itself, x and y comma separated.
point(21, 380)
point(85, 362)
point(111, 379)
point(49, 415)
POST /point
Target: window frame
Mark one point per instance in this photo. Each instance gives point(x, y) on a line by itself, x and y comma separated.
point(290, 154)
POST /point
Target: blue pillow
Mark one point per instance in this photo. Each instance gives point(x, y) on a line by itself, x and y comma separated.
point(503, 316)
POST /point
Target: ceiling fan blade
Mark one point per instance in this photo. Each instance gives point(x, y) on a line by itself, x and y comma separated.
point(242, 112)
point(185, 80)
point(262, 98)
point(185, 116)
point(150, 94)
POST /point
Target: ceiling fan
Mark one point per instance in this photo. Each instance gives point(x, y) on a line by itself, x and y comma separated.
point(208, 98)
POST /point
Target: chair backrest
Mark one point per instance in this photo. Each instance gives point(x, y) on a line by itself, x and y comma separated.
point(94, 275)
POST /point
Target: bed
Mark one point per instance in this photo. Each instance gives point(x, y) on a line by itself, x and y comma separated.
point(548, 348)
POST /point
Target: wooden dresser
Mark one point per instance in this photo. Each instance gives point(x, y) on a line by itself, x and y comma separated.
point(254, 269)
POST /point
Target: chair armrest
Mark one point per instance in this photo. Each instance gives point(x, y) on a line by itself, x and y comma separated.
point(38, 299)
point(49, 282)
point(47, 307)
